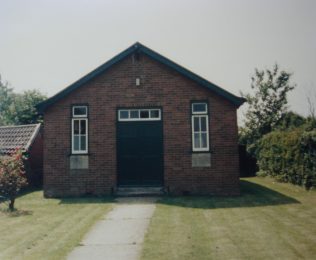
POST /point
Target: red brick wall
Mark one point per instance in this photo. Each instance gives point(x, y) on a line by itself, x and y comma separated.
point(160, 86)
point(35, 161)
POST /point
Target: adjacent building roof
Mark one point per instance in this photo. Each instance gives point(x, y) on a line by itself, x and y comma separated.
point(139, 48)
point(17, 137)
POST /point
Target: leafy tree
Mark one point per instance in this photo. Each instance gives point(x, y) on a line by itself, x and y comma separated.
point(266, 105)
point(311, 100)
point(290, 120)
point(6, 101)
point(24, 111)
point(12, 176)
point(17, 109)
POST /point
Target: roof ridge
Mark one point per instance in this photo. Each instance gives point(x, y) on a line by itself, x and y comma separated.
point(32, 138)
point(16, 126)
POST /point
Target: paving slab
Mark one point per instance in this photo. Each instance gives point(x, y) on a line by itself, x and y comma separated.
point(120, 234)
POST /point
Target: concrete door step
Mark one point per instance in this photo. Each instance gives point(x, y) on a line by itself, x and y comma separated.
point(123, 191)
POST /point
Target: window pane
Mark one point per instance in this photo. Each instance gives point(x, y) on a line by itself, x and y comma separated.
point(196, 124)
point(83, 127)
point(199, 108)
point(134, 114)
point(154, 113)
point(76, 127)
point(83, 143)
point(123, 114)
point(203, 123)
point(80, 111)
point(203, 140)
point(76, 143)
point(197, 141)
point(144, 114)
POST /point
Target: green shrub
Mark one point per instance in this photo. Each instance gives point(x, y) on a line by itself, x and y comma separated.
point(289, 156)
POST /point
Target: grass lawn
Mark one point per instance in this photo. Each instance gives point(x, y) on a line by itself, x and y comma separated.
point(268, 221)
point(47, 228)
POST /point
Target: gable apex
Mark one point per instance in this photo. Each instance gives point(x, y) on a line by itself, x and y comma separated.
point(138, 47)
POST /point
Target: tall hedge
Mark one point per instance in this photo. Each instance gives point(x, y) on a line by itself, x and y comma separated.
point(289, 156)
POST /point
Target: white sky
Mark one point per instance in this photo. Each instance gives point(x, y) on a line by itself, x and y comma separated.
point(49, 44)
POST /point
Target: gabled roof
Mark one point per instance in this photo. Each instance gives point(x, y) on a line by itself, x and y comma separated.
point(139, 48)
point(17, 137)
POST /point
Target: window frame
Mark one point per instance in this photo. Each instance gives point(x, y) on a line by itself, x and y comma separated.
point(79, 106)
point(79, 118)
point(139, 112)
point(200, 114)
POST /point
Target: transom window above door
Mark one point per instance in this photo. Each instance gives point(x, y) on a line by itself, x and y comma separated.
point(139, 114)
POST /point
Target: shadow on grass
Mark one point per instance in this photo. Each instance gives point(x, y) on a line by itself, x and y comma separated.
point(252, 195)
point(15, 212)
point(28, 190)
point(87, 199)
point(4, 203)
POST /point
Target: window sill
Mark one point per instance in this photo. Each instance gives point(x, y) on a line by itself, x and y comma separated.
point(192, 152)
point(79, 154)
point(79, 162)
point(201, 160)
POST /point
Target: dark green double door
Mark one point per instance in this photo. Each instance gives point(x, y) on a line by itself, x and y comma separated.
point(140, 153)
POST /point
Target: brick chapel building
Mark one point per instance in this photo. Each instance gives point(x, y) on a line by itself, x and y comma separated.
point(141, 120)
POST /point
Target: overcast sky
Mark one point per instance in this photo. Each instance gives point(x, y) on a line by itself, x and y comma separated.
point(47, 45)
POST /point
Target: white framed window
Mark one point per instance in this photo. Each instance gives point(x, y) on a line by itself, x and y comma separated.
point(200, 131)
point(79, 111)
point(199, 108)
point(79, 130)
point(139, 114)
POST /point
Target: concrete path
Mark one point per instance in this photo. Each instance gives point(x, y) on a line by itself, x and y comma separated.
point(120, 234)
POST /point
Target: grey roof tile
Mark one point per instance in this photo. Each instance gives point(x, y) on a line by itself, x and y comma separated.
point(19, 136)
